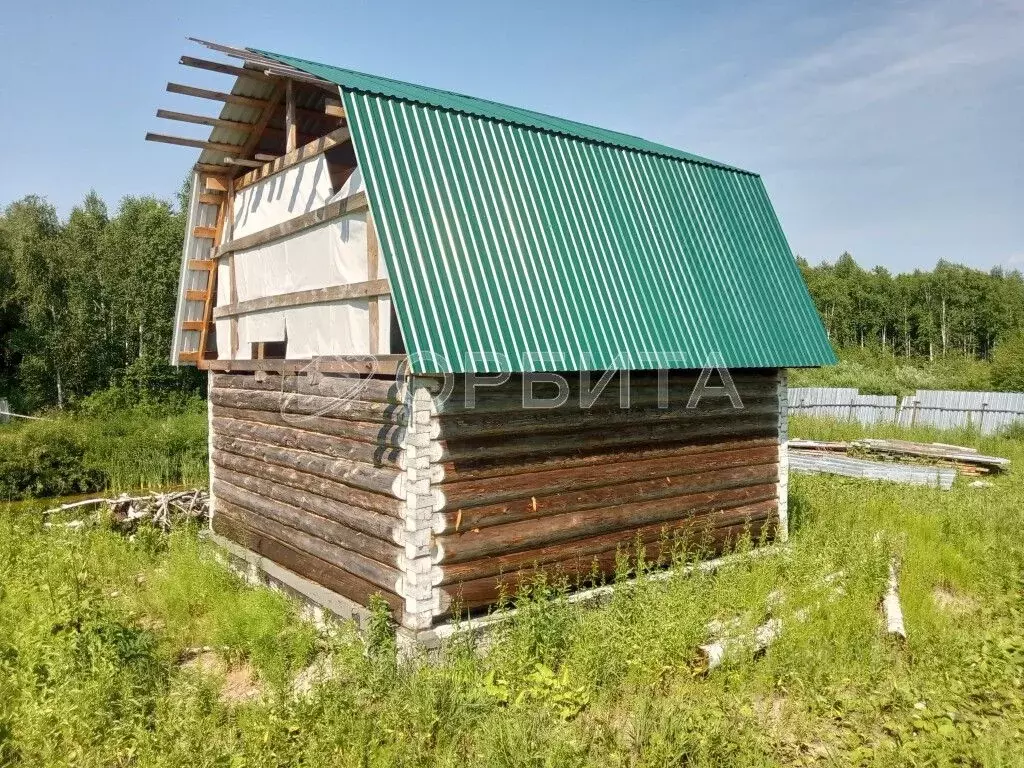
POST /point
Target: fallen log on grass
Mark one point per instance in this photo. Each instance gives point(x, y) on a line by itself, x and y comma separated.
point(891, 604)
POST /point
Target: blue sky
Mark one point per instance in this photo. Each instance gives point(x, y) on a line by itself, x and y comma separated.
point(892, 130)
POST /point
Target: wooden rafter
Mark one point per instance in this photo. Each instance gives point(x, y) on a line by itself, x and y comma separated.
point(213, 122)
point(261, 123)
point(213, 146)
point(224, 69)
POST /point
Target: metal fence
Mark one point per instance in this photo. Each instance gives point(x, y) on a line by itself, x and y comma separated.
point(988, 412)
point(843, 403)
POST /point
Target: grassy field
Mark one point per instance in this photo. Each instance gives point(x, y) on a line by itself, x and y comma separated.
point(94, 627)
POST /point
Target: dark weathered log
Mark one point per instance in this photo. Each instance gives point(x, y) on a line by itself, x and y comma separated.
point(507, 452)
point(362, 522)
point(533, 507)
point(518, 422)
point(384, 435)
point(511, 396)
point(363, 388)
point(377, 510)
point(478, 543)
point(355, 474)
point(526, 485)
point(227, 523)
point(355, 451)
point(469, 588)
point(268, 516)
point(310, 405)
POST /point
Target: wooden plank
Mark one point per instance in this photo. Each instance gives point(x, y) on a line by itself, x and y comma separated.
point(213, 146)
point(302, 298)
point(210, 233)
point(199, 264)
point(210, 198)
point(215, 183)
point(213, 122)
point(224, 69)
point(322, 215)
point(195, 295)
point(194, 325)
point(372, 273)
point(242, 163)
point(384, 365)
point(188, 357)
point(291, 131)
point(228, 522)
point(204, 93)
point(300, 154)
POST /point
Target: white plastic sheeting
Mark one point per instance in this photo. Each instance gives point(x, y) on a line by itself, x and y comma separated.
point(328, 255)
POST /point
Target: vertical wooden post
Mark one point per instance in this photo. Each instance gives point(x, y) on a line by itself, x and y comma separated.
point(291, 130)
point(372, 273)
point(233, 288)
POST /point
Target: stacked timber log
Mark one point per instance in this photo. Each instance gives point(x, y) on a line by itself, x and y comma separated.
point(446, 505)
point(306, 473)
point(567, 490)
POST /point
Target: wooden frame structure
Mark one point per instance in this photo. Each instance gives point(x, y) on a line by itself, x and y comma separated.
point(350, 482)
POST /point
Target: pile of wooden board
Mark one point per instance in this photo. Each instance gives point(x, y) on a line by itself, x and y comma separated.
point(934, 464)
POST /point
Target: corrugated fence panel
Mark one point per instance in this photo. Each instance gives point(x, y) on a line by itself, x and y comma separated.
point(843, 404)
point(988, 412)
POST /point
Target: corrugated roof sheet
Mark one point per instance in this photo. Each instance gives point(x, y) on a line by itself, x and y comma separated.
point(520, 242)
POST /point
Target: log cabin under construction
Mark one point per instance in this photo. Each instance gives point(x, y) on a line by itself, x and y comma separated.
point(345, 228)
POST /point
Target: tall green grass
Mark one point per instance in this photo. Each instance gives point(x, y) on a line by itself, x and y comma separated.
point(134, 448)
point(92, 625)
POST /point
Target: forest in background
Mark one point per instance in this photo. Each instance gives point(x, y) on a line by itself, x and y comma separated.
point(87, 303)
point(87, 310)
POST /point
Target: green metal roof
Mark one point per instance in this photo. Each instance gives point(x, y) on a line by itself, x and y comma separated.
point(521, 242)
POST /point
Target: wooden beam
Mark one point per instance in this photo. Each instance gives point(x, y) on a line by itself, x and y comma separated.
point(212, 172)
point(203, 93)
point(302, 298)
point(214, 122)
point(193, 325)
point(372, 272)
point(224, 69)
point(299, 155)
point(213, 146)
point(357, 364)
point(333, 108)
point(253, 141)
point(209, 198)
point(329, 212)
point(199, 264)
point(291, 131)
point(207, 232)
point(264, 157)
point(243, 163)
point(215, 183)
point(195, 295)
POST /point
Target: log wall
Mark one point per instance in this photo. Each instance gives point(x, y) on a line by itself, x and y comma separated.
point(443, 504)
point(564, 489)
point(307, 473)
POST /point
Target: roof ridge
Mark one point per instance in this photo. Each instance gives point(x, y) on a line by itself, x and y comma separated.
point(354, 80)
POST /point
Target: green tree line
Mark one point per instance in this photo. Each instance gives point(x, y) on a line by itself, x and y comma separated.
point(923, 314)
point(87, 303)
